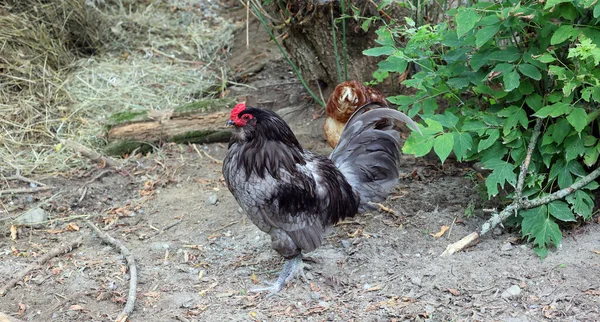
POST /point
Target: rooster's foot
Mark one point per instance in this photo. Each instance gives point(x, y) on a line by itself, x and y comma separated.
point(290, 269)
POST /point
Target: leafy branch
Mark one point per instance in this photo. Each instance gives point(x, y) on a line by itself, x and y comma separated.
point(496, 69)
point(518, 203)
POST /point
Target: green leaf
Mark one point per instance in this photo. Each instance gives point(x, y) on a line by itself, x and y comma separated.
point(442, 146)
point(463, 142)
point(510, 54)
point(535, 102)
point(503, 172)
point(459, 82)
point(419, 145)
point(561, 34)
point(553, 110)
point(542, 252)
point(597, 11)
point(511, 81)
point(530, 71)
point(573, 147)
point(582, 203)
point(561, 130)
point(552, 3)
point(402, 100)
point(486, 33)
point(540, 227)
point(591, 156)
point(393, 64)
point(379, 51)
point(466, 18)
point(384, 37)
point(578, 118)
point(546, 58)
point(380, 75)
point(493, 136)
point(561, 211)
point(474, 126)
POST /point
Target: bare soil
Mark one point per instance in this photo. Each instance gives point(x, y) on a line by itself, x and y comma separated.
point(376, 266)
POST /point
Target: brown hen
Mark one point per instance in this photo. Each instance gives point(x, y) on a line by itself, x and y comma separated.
point(346, 98)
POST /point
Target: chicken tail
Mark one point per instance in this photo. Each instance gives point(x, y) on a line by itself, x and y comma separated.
point(368, 152)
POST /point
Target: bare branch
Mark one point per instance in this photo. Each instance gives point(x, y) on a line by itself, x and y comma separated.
point(61, 249)
point(128, 309)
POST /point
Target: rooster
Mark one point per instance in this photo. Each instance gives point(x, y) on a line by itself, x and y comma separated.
point(346, 98)
point(293, 194)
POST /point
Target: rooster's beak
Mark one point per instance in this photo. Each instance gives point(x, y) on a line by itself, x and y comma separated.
point(229, 123)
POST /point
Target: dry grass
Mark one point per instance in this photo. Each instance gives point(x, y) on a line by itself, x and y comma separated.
point(66, 65)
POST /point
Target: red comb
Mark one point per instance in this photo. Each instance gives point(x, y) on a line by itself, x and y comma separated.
point(237, 109)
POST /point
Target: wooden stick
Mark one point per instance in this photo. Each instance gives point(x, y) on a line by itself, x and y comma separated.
point(92, 155)
point(25, 190)
point(128, 309)
point(19, 177)
point(461, 244)
point(65, 248)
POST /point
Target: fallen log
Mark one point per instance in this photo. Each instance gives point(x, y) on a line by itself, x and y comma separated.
point(197, 122)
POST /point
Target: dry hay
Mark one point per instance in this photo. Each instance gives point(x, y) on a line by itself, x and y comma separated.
point(66, 65)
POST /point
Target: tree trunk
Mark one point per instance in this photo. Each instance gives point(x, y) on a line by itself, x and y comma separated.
point(309, 41)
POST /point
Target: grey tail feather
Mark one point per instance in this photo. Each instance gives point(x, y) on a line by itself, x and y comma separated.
point(368, 152)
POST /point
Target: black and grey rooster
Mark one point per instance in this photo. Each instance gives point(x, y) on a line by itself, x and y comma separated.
point(294, 195)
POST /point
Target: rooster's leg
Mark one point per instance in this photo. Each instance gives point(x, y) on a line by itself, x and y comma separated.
point(290, 269)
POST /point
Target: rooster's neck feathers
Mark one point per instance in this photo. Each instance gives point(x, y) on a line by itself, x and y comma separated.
point(267, 145)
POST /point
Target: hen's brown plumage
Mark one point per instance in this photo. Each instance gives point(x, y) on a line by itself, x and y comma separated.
point(346, 98)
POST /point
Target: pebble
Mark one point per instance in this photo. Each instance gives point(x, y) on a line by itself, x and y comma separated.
point(324, 304)
point(345, 243)
point(315, 296)
point(160, 246)
point(416, 280)
point(497, 231)
point(506, 247)
point(240, 210)
point(32, 217)
point(511, 292)
point(212, 199)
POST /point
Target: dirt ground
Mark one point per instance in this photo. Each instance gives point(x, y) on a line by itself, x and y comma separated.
point(197, 254)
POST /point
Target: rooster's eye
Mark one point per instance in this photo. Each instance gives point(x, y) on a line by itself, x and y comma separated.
point(246, 117)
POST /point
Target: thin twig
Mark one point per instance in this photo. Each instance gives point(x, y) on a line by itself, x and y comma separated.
point(94, 178)
point(228, 225)
point(247, 24)
point(25, 190)
point(64, 248)
point(212, 158)
point(92, 155)
point(165, 229)
point(523, 174)
point(19, 177)
point(128, 309)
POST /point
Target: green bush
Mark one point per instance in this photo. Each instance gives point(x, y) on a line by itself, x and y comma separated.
point(485, 76)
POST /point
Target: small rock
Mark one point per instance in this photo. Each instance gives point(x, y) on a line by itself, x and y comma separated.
point(32, 217)
point(159, 246)
point(315, 296)
point(497, 231)
point(416, 280)
point(324, 304)
point(240, 210)
point(212, 200)
point(511, 292)
point(506, 247)
point(345, 243)
point(309, 276)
